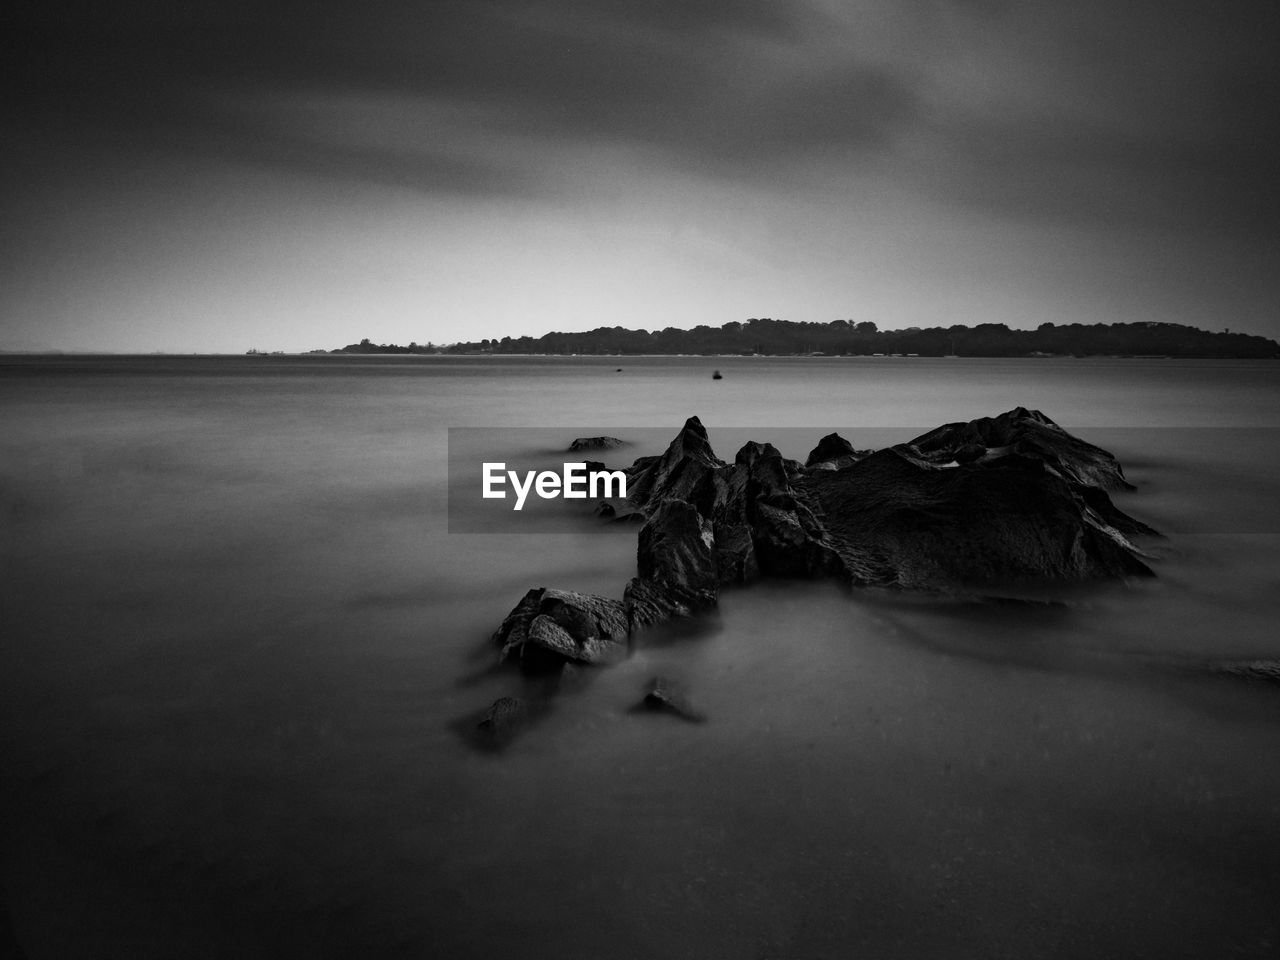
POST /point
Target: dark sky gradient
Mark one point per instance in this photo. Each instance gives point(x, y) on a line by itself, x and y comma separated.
point(286, 175)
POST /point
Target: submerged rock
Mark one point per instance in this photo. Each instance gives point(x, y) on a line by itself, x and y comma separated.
point(997, 501)
point(503, 720)
point(667, 696)
point(596, 443)
point(994, 502)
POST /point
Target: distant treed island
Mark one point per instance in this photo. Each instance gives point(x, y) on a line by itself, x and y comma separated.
point(767, 337)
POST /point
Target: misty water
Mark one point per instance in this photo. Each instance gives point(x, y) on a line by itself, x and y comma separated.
point(241, 652)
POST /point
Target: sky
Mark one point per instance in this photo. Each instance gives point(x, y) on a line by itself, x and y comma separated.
point(217, 176)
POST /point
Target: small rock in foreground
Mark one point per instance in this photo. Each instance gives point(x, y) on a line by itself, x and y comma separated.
point(503, 720)
point(669, 697)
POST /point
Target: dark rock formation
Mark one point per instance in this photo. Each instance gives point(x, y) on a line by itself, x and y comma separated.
point(896, 519)
point(550, 627)
point(667, 696)
point(831, 447)
point(1031, 434)
point(648, 603)
point(596, 443)
point(684, 472)
point(503, 720)
point(998, 501)
point(677, 553)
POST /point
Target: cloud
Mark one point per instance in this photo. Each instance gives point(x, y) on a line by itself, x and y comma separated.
point(1143, 115)
point(705, 84)
point(1163, 115)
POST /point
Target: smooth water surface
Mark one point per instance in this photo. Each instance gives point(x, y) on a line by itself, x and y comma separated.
point(241, 651)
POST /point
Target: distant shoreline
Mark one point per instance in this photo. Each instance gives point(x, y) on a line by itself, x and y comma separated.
point(338, 354)
point(842, 338)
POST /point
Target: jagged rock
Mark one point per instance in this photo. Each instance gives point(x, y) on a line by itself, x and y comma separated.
point(834, 452)
point(790, 543)
point(1028, 433)
point(831, 447)
point(504, 719)
point(735, 549)
point(735, 553)
point(596, 443)
point(685, 471)
point(669, 697)
point(676, 552)
point(1003, 501)
point(648, 603)
point(548, 627)
point(753, 451)
point(787, 539)
point(896, 519)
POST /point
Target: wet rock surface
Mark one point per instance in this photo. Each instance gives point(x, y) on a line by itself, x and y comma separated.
point(1005, 501)
point(548, 628)
point(1031, 434)
point(666, 696)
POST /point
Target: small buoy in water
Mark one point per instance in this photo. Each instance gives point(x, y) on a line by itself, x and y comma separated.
point(716, 376)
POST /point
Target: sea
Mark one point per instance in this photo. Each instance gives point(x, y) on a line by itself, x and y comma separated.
point(245, 640)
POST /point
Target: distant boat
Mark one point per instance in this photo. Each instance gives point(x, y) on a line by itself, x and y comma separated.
point(716, 376)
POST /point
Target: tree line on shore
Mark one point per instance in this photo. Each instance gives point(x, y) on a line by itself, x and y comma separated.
point(769, 337)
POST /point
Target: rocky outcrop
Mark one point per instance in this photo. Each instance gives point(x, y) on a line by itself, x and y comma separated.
point(834, 452)
point(685, 472)
point(548, 628)
point(1028, 433)
point(1006, 500)
point(897, 519)
point(677, 554)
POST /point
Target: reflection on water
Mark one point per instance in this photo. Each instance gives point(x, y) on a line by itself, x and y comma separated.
point(238, 641)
